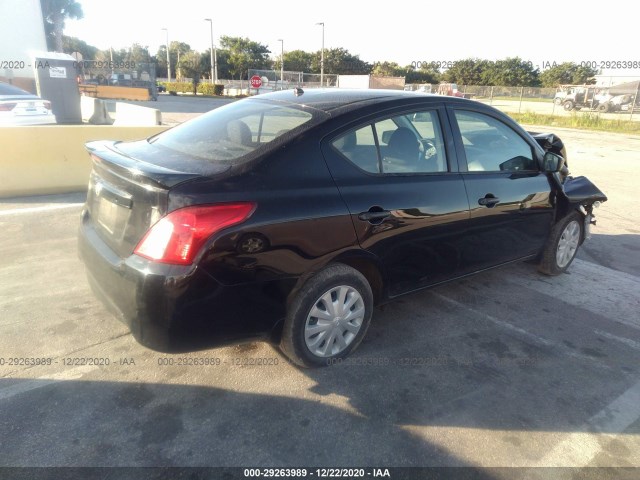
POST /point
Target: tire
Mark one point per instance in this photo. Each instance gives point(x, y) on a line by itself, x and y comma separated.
point(562, 245)
point(322, 294)
point(568, 106)
point(557, 100)
point(603, 107)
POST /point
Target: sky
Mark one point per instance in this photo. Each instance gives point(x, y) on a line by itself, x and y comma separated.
point(404, 32)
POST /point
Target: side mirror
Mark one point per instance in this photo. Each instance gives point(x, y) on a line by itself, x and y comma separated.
point(552, 163)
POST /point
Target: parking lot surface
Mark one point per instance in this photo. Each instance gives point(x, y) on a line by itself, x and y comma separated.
point(506, 368)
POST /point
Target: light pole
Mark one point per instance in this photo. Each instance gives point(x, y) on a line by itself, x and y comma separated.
point(214, 69)
point(168, 58)
point(322, 56)
point(281, 63)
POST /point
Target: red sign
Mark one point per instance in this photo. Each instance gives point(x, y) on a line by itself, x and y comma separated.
point(256, 81)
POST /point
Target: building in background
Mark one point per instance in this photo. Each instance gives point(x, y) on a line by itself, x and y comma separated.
point(611, 77)
point(21, 37)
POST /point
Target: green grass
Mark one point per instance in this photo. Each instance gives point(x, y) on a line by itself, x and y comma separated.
point(585, 121)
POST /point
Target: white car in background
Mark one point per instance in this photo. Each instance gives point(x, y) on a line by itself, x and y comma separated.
point(19, 107)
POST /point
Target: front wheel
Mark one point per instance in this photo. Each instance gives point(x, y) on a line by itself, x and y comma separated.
point(328, 318)
point(562, 245)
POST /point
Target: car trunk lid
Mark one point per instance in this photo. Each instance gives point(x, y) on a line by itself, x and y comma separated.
point(128, 191)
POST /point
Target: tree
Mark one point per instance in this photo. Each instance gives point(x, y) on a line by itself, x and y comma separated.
point(296, 61)
point(245, 54)
point(176, 51)
point(340, 61)
point(74, 44)
point(222, 59)
point(54, 13)
point(138, 54)
point(423, 75)
point(191, 66)
point(511, 72)
point(467, 72)
point(567, 73)
point(161, 61)
point(388, 69)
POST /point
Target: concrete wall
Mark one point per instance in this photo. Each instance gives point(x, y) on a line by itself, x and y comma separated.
point(52, 159)
point(135, 115)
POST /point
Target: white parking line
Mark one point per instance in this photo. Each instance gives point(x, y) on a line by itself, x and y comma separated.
point(601, 290)
point(579, 448)
point(519, 331)
point(33, 384)
point(44, 208)
point(627, 341)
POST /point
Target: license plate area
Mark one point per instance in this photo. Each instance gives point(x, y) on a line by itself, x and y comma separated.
point(109, 215)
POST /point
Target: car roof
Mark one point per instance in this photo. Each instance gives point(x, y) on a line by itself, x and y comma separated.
point(329, 100)
point(7, 89)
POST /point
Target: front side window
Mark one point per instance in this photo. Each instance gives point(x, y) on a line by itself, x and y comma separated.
point(492, 146)
point(409, 143)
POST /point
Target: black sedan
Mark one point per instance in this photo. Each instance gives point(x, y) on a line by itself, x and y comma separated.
point(288, 216)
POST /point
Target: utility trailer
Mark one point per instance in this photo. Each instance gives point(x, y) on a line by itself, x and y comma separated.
point(597, 98)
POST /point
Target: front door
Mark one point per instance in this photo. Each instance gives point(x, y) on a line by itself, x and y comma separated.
point(509, 196)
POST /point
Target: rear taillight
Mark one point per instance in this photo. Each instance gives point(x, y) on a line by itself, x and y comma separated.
point(47, 104)
point(178, 237)
point(7, 107)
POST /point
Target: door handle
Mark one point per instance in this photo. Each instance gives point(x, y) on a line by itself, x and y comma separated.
point(489, 200)
point(375, 216)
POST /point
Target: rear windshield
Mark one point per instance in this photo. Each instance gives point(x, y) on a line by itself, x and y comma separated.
point(238, 131)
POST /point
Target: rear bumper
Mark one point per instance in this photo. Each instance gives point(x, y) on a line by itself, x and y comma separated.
point(172, 308)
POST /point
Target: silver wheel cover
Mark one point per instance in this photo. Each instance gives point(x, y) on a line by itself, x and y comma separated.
point(568, 244)
point(334, 321)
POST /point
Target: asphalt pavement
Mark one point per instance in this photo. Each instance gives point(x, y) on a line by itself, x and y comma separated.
point(508, 368)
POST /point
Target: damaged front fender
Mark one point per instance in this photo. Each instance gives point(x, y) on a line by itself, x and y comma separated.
point(580, 194)
point(580, 190)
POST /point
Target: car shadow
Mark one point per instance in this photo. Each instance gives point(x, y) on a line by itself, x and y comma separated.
point(135, 424)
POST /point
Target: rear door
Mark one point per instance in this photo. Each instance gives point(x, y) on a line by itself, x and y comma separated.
point(399, 178)
point(509, 196)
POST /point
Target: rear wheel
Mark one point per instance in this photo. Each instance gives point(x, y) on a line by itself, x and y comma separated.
point(328, 318)
point(562, 245)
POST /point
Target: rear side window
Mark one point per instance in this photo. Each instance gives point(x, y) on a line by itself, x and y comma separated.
point(408, 143)
point(231, 133)
point(492, 146)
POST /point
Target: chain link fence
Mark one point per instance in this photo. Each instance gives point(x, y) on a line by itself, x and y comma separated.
point(125, 73)
point(621, 101)
point(273, 80)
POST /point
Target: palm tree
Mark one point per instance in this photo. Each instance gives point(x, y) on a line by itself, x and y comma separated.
point(55, 12)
